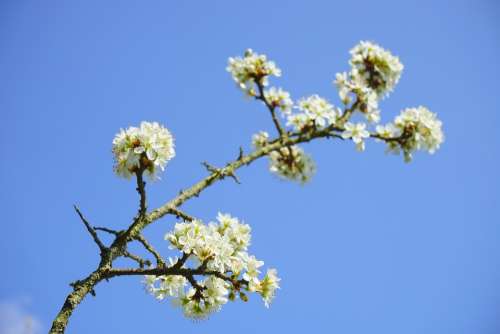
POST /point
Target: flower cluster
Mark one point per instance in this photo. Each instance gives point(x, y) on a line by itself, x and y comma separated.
point(417, 129)
point(292, 163)
point(142, 149)
point(250, 70)
point(278, 98)
point(315, 112)
point(374, 73)
point(219, 251)
point(375, 67)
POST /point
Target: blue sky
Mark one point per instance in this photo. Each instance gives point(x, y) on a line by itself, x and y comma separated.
point(371, 245)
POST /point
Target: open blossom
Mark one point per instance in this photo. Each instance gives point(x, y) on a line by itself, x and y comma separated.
point(292, 163)
point(421, 130)
point(388, 131)
point(315, 112)
point(162, 287)
point(251, 69)
point(357, 132)
point(279, 98)
point(375, 67)
point(146, 148)
point(268, 286)
point(220, 247)
point(367, 99)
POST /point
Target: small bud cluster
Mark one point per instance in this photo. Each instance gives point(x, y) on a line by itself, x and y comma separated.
point(220, 251)
point(146, 148)
point(251, 69)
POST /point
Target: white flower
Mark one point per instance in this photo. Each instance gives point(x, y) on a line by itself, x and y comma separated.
point(147, 148)
point(292, 163)
point(260, 139)
point(315, 112)
point(367, 99)
point(165, 286)
point(375, 67)
point(420, 130)
point(387, 131)
point(278, 98)
point(344, 86)
point(251, 69)
point(357, 132)
point(253, 271)
point(268, 286)
point(215, 292)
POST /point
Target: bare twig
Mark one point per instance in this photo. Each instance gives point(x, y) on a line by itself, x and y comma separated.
point(142, 262)
point(107, 230)
point(91, 230)
point(149, 248)
point(270, 107)
point(180, 214)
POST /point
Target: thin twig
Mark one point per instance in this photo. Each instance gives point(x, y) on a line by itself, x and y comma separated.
point(150, 248)
point(269, 106)
point(91, 230)
point(142, 262)
point(107, 230)
point(180, 214)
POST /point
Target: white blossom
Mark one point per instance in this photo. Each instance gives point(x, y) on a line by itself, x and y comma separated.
point(165, 286)
point(420, 130)
point(375, 67)
point(148, 147)
point(315, 112)
point(260, 139)
point(367, 99)
point(292, 163)
point(278, 98)
point(251, 69)
point(387, 131)
point(357, 132)
point(268, 286)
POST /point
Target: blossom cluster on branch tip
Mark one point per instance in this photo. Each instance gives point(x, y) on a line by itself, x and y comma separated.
point(219, 251)
point(250, 70)
point(417, 128)
point(146, 148)
point(374, 74)
point(375, 67)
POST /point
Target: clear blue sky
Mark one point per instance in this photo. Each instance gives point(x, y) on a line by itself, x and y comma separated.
point(371, 245)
